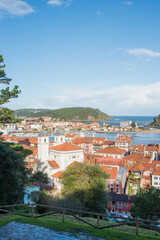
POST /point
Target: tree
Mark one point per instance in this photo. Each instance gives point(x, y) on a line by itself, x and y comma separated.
point(40, 177)
point(87, 183)
point(147, 203)
point(6, 94)
point(12, 175)
point(133, 124)
point(41, 119)
point(6, 115)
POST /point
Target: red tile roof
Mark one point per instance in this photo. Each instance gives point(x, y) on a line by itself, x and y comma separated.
point(53, 164)
point(112, 172)
point(73, 163)
point(157, 171)
point(77, 141)
point(109, 161)
point(138, 168)
point(111, 150)
point(57, 174)
point(66, 147)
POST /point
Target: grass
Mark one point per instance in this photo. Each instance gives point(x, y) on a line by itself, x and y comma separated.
point(72, 225)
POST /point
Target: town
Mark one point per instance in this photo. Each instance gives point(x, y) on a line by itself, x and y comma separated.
point(129, 167)
point(34, 124)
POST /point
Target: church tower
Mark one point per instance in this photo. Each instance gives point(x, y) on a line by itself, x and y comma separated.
point(59, 138)
point(43, 151)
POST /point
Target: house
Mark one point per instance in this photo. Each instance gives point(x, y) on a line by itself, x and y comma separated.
point(117, 177)
point(55, 159)
point(156, 178)
point(111, 152)
point(120, 204)
point(134, 180)
point(124, 141)
point(124, 124)
point(70, 137)
point(64, 154)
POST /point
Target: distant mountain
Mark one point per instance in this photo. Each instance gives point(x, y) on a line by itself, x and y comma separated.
point(67, 114)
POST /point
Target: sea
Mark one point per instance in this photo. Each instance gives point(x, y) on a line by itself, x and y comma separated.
point(138, 138)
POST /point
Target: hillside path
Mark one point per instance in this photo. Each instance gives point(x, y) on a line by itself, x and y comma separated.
point(22, 231)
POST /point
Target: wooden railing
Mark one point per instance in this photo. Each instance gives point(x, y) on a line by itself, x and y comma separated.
point(76, 214)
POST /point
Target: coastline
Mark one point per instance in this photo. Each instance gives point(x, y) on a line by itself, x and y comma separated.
point(120, 132)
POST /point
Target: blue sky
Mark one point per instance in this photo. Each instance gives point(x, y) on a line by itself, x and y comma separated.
point(94, 53)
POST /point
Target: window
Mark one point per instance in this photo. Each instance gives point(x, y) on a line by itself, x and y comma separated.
point(120, 204)
point(126, 204)
point(73, 156)
point(113, 203)
point(155, 183)
point(113, 210)
point(45, 140)
point(155, 178)
point(117, 189)
point(120, 211)
point(126, 212)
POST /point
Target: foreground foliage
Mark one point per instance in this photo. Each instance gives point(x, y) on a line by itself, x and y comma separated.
point(12, 175)
point(147, 203)
point(87, 183)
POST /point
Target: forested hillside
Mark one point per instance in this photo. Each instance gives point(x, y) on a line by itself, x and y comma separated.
point(74, 113)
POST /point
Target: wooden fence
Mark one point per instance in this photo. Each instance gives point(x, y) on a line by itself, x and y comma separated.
point(77, 213)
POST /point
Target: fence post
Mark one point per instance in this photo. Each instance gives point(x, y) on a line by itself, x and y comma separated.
point(98, 221)
point(62, 216)
point(137, 227)
point(32, 210)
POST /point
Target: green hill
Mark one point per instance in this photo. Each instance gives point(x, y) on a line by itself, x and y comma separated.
point(67, 114)
point(156, 122)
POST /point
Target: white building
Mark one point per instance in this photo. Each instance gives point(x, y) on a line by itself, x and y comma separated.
point(156, 178)
point(36, 126)
point(124, 141)
point(59, 138)
point(111, 152)
point(56, 159)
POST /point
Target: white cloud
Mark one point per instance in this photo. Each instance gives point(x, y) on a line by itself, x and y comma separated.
point(143, 52)
point(15, 8)
point(120, 100)
point(55, 3)
point(128, 3)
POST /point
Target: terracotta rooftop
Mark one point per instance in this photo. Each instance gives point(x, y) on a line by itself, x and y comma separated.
point(66, 147)
point(53, 164)
point(157, 171)
point(57, 174)
point(138, 168)
point(73, 163)
point(111, 150)
point(77, 141)
point(112, 171)
point(109, 161)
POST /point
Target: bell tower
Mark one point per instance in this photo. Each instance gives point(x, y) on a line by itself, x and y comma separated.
point(43, 151)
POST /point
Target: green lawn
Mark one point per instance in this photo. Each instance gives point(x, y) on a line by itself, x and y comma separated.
point(71, 225)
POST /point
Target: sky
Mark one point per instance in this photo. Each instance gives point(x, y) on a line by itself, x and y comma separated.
point(83, 53)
